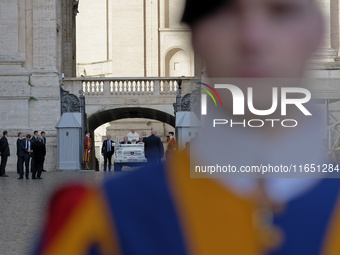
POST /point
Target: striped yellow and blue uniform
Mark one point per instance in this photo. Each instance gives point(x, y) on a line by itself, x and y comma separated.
point(87, 148)
point(161, 211)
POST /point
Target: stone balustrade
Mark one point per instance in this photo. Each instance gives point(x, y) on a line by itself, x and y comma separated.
point(125, 86)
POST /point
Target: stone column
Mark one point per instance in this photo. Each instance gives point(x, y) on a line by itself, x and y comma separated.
point(336, 25)
point(44, 75)
point(69, 12)
point(326, 52)
point(151, 38)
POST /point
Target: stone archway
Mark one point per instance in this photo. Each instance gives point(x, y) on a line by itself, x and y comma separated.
point(103, 117)
point(100, 118)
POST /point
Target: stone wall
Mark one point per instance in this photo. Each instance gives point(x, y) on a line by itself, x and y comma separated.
point(141, 38)
point(29, 72)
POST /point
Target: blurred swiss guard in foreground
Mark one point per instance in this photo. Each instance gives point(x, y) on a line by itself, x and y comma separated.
point(160, 210)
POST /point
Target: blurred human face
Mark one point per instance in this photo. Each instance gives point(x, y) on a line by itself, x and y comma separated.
point(259, 38)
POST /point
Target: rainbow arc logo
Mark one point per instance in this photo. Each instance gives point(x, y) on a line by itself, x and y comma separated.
point(209, 93)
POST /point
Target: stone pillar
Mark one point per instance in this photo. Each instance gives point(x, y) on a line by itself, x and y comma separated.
point(69, 12)
point(336, 24)
point(151, 38)
point(326, 52)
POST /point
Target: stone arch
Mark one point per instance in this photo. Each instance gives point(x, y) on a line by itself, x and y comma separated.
point(103, 117)
point(100, 118)
point(177, 63)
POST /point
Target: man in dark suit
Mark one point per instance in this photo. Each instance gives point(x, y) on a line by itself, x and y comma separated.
point(126, 140)
point(5, 153)
point(107, 152)
point(154, 150)
point(20, 154)
point(39, 152)
point(43, 141)
point(27, 149)
point(35, 136)
point(33, 139)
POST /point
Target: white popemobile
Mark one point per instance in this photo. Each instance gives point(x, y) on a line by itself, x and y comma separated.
point(128, 155)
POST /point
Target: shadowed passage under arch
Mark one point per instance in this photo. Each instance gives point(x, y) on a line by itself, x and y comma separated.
point(103, 117)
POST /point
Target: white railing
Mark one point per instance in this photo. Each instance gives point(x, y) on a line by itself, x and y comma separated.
point(125, 86)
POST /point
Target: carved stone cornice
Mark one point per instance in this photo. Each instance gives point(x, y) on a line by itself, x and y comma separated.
point(11, 60)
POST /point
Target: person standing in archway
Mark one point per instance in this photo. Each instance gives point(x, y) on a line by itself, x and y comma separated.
point(87, 150)
point(107, 152)
point(154, 150)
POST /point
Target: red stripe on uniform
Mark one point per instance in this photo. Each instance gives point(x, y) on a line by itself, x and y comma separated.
point(62, 204)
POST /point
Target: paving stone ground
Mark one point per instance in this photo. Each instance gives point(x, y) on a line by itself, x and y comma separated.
point(23, 204)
